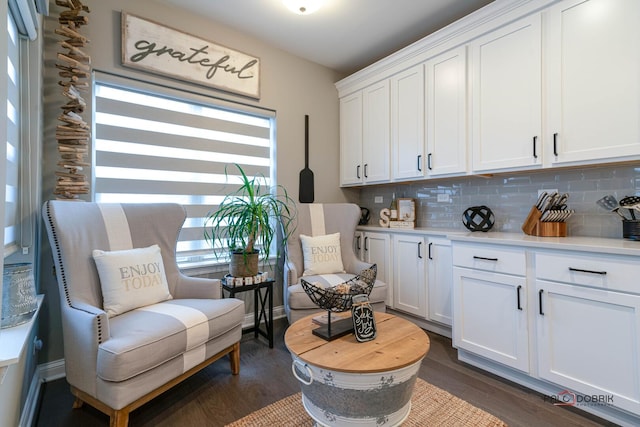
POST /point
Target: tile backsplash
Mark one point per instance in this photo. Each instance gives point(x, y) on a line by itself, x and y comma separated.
point(511, 195)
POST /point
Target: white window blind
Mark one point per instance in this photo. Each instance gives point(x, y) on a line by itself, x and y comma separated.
point(11, 220)
point(153, 144)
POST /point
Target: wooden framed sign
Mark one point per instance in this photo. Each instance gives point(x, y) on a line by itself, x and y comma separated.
point(156, 48)
point(406, 210)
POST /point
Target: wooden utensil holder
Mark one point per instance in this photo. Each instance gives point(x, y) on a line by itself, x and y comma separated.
point(534, 227)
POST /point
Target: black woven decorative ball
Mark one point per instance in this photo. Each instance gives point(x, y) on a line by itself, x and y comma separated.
point(478, 218)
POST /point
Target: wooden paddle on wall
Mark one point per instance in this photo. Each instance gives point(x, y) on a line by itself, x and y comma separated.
point(306, 175)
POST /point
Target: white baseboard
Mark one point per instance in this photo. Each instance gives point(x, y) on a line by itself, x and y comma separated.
point(43, 373)
point(52, 370)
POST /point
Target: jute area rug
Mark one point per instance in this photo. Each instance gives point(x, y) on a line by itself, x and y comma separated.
point(430, 406)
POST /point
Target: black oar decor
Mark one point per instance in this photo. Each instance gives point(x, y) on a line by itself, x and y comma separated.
point(306, 175)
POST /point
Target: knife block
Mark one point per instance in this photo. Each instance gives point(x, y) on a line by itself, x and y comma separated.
point(534, 227)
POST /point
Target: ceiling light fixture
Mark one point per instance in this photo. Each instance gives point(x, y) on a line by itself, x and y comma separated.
point(303, 7)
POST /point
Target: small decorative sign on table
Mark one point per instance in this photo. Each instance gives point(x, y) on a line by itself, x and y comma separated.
point(364, 324)
point(159, 49)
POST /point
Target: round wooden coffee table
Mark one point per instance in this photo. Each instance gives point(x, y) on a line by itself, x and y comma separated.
point(345, 382)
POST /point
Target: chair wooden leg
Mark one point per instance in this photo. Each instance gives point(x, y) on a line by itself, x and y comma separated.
point(77, 403)
point(119, 418)
point(234, 358)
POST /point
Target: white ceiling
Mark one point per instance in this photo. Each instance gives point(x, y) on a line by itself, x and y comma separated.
point(344, 35)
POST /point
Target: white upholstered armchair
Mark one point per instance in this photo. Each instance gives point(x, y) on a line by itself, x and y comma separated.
point(121, 348)
point(315, 220)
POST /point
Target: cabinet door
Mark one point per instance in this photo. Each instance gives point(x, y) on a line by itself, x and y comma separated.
point(446, 113)
point(507, 97)
point(351, 139)
point(407, 123)
point(376, 249)
point(588, 341)
point(410, 288)
point(490, 316)
point(594, 96)
point(376, 133)
point(439, 282)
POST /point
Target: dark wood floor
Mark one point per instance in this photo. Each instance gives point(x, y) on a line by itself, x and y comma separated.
point(214, 397)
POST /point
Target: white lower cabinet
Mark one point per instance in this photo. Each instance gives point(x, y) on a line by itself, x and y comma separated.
point(439, 277)
point(569, 320)
point(588, 326)
point(409, 268)
point(588, 342)
point(490, 303)
point(417, 268)
point(422, 274)
point(490, 316)
point(375, 248)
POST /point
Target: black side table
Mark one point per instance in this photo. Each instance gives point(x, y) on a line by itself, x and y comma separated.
point(260, 300)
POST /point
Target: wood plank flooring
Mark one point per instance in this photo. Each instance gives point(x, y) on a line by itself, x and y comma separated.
point(214, 397)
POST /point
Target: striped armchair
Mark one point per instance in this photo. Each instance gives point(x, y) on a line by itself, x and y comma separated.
point(318, 219)
point(118, 362)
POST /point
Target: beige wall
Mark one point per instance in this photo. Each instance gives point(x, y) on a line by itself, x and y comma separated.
point(290, 86)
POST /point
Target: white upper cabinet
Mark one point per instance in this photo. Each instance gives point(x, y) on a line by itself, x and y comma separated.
point(407, 123)
point(507, 97)
point(351, 139)
point(446, 91)
point(376, 133)
point(365, 135)
point(593, 59)
point(530, 85)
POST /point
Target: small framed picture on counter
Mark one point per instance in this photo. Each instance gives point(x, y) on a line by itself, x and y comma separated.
point(406, 210)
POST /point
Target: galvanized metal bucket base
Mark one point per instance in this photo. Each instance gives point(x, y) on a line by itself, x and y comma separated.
point(337, 399)
point(320, 417)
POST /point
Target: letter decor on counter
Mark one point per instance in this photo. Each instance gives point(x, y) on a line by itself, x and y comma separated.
point(156, 48)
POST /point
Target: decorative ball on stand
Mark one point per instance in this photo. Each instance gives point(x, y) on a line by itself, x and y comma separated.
point(478, 218)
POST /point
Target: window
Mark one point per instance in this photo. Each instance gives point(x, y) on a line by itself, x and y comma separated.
point(11, 217)
point(153, 144)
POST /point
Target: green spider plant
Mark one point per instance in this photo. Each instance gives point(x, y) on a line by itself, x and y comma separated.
point(249, 216)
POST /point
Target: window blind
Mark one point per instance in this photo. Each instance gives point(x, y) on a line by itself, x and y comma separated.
point(11, 220)
point(153, 144)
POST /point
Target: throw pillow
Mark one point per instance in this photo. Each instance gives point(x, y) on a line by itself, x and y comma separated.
point(322, 254)
point(131, 278)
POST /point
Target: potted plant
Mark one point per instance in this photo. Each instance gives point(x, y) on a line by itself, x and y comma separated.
point(248, 217)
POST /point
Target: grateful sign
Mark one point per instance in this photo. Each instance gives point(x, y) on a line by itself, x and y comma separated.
point(156, 48)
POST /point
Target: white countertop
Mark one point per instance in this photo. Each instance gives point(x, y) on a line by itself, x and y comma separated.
point(587, 244)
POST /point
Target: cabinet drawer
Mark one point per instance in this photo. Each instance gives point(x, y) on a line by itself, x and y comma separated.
point(603, 271)
point(499, 259)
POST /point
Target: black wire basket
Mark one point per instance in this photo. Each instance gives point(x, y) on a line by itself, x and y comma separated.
point(338, 298)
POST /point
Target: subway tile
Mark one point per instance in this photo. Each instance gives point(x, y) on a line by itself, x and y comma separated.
point(510, 197)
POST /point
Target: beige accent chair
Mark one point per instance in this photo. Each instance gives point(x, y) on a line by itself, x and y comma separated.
point(119, 363)
point(319, 219)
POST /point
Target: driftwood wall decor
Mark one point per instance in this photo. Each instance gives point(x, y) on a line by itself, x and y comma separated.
point(72, 133)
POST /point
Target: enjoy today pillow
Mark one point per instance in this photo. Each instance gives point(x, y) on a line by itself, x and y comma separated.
point(322, 254)
point(131, 278)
